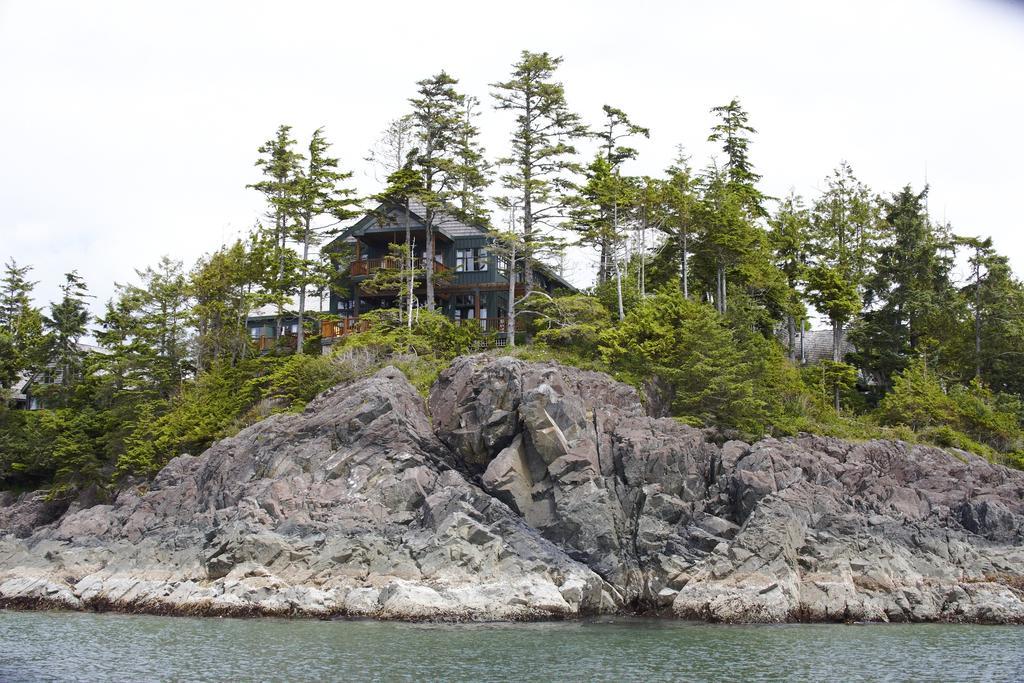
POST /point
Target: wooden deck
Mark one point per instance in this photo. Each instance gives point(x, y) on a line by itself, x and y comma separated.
point(370, 266)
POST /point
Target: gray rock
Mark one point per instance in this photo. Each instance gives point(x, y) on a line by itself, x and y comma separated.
point(531, 490)
point(348, 508)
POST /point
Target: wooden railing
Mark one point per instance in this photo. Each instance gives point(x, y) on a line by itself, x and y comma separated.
point(330, 329)
point(264, 344)
point(493, 324)
point(372, 265)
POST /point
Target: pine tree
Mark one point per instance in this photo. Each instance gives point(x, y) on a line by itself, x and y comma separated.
point(842, 241)
point(21, 325)
point(280, 164)
point(541, 159)
point(65, 326)
point(474, 168)
point(789, 233)
point(437, 113)
point(600, 190)
point(317, 193)
point(733, 131)
point(909, 296)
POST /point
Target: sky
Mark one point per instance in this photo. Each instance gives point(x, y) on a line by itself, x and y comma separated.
point(131, 128)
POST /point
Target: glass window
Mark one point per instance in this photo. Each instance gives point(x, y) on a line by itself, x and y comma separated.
point(471, 260)
point(464, 307)
point(463, 260)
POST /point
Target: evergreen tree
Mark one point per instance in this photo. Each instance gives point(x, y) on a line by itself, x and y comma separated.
point(680, 218)
point(317, 193)
point(280, 164)
point(789, 232)
point(733, 131)
point(474, 168)
point(909, 295)
point(541, 158)
point(841, 244)
point(65, 326)
point(221, 286)
point(446, 141)
point(994, 348)
point(145, 329)
point(601, 193)
point(21, 325)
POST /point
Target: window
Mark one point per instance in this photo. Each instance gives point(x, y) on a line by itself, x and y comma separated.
point(463, 260)
point(464, 307)
point(470, 260)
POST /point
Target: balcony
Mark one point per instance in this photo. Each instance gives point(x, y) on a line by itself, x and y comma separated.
point(331, 329)
point(265, 343)
point(365, 267)
point(493, 325)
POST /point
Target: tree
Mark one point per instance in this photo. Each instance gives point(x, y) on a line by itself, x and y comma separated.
point(445, 143)
point(317, 193)
point(391, 151)
point(541, 158)
point(733, 130)
point(995, 299)
point(789, 234)
point(733, 245)
point(280, 164)
point(680, 217)
point(603, 204)
point(65, 326)
point(908, 296)
point(603, 175)
point(21, 325)
point(221, 288)
point(474, 168)
point(145, 329)
point(693, 352)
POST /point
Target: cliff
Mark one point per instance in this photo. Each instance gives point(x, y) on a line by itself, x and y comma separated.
point(526, 491)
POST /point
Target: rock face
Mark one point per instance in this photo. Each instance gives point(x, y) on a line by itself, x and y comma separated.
point(532, 491)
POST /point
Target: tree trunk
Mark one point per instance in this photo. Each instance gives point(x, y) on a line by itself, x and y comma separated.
point(837, 345)
point(977, 318)
point(301, 334)
point(280, 276)
point(411, 246)
point(510, 324)
point(618, 289)
point(428, 260)
point(791, 333)
point(685, 274)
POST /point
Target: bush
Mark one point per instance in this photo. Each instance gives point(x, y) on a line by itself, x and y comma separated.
point(690, 349)
point(431, 334)
point(971, 417)
point(570, 322)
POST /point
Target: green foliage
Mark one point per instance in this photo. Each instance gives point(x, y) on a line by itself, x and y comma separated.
point(570, 322)
point(970, 417)
point(689, 348)
point(431, 334)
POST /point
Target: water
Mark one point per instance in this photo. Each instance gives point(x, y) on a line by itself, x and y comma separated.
point(92, 647)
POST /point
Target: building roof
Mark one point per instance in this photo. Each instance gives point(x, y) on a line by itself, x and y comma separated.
point(444, 222)
point(817, 345)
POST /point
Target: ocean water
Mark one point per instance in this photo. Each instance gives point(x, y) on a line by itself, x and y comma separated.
point(100, 647)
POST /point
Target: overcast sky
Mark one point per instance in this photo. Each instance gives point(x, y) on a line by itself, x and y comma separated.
point(130, 129)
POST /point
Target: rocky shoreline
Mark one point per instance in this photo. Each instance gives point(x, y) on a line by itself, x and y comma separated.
point(530, 491)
